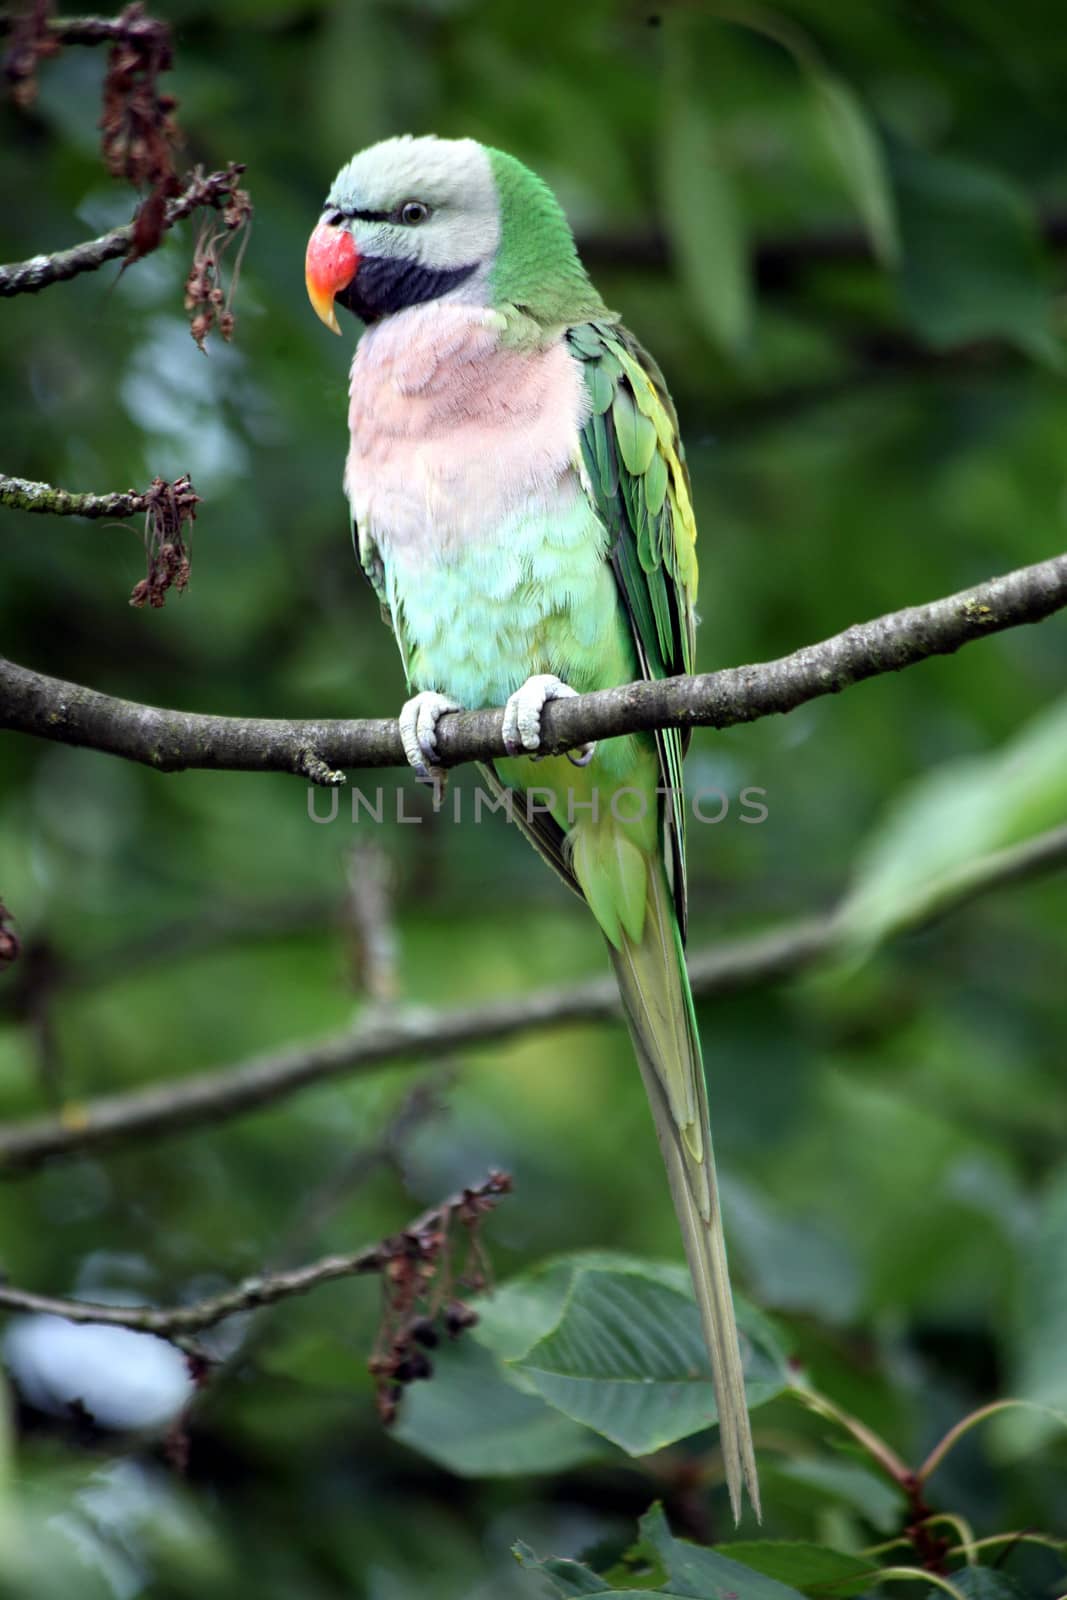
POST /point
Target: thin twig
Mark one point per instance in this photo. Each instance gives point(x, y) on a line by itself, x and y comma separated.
point(916, 1575)
point(971, 1420)
point(172, 741)
point(212, 1096)
point(876, 1447)
point(39, 272)
point(269, 1287)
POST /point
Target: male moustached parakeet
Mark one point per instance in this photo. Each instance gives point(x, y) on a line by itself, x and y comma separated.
point(521, 506)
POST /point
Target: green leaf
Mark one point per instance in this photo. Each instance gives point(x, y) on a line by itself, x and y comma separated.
point(931, 843)
point(627, 1357)
point(567, 1577)
point(524, 1309)
point(473, 1419)
point(706, 1574)
point(982, 1583)
point(684, 1571)
point(812, 1568)
point(858, 148)
point(973, 263)
point(874, 1497)
point(1041, 1321)
point(704, 221)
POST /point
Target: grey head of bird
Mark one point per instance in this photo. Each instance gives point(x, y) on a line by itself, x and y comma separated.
point(413, 220)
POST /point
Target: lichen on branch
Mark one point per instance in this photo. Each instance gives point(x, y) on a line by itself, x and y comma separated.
point(169, 510)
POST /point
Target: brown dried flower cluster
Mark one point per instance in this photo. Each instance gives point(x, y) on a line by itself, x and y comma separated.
point(138, 132)
point(139, 136)
point(168, 508)
point(205, 299)
point(421, 1293)
point(31, 42)
point(9, 939)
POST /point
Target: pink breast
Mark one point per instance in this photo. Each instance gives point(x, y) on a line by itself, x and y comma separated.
point(453, 432)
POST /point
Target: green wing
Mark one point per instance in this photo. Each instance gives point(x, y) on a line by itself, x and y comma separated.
point(636, 476)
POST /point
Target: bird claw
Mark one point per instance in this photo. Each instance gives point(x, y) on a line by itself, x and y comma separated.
point(418, 721)
point(522, 718)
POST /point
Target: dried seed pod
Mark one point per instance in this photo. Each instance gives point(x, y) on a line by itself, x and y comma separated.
point(424, 1332)
point(389, 1397)
point(458, 1317)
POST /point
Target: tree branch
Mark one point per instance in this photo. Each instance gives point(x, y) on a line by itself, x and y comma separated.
point(27, 277)
point(420, 1237)
point(22, 494)
point(172, 741)
point(91, 30)
point(206, 1097)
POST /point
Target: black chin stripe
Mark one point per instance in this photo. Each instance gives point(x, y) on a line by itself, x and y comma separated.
point(389, 283)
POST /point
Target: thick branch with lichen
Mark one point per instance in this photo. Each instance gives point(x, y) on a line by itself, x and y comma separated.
point(172, 741)
point(167, 508)
point(23, 494)
point(175, 1322)
point(206, 1097)
point(216, 190)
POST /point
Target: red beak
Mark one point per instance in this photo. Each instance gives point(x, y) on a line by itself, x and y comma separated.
point(329, 266)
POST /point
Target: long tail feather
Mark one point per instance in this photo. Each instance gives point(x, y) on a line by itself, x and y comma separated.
point(659, 1010)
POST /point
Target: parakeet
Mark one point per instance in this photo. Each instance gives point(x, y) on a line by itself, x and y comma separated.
point(521, 506)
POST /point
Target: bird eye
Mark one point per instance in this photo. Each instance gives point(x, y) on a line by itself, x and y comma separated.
point(412, 212)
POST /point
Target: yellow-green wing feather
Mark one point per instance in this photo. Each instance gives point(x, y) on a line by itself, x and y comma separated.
point(637, 479)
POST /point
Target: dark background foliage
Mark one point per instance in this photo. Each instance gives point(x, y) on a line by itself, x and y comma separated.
point(837, 228)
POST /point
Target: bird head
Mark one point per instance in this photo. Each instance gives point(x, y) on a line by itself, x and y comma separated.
point(412, 220)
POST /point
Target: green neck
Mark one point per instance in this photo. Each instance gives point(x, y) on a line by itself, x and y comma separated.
point(537, 269)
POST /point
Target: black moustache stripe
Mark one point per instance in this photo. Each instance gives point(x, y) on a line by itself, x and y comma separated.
point(389, 283)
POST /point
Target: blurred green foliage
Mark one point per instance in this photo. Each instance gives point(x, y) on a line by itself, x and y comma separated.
point(858, 312)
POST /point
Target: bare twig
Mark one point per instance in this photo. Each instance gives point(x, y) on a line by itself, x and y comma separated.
point(268, 1288)
point(218, 190)
point(212, 1096)
point(172, 741)
point(876, 1447)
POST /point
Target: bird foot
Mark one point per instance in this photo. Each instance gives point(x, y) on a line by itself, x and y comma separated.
point(418, 720)
point(522, 718)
